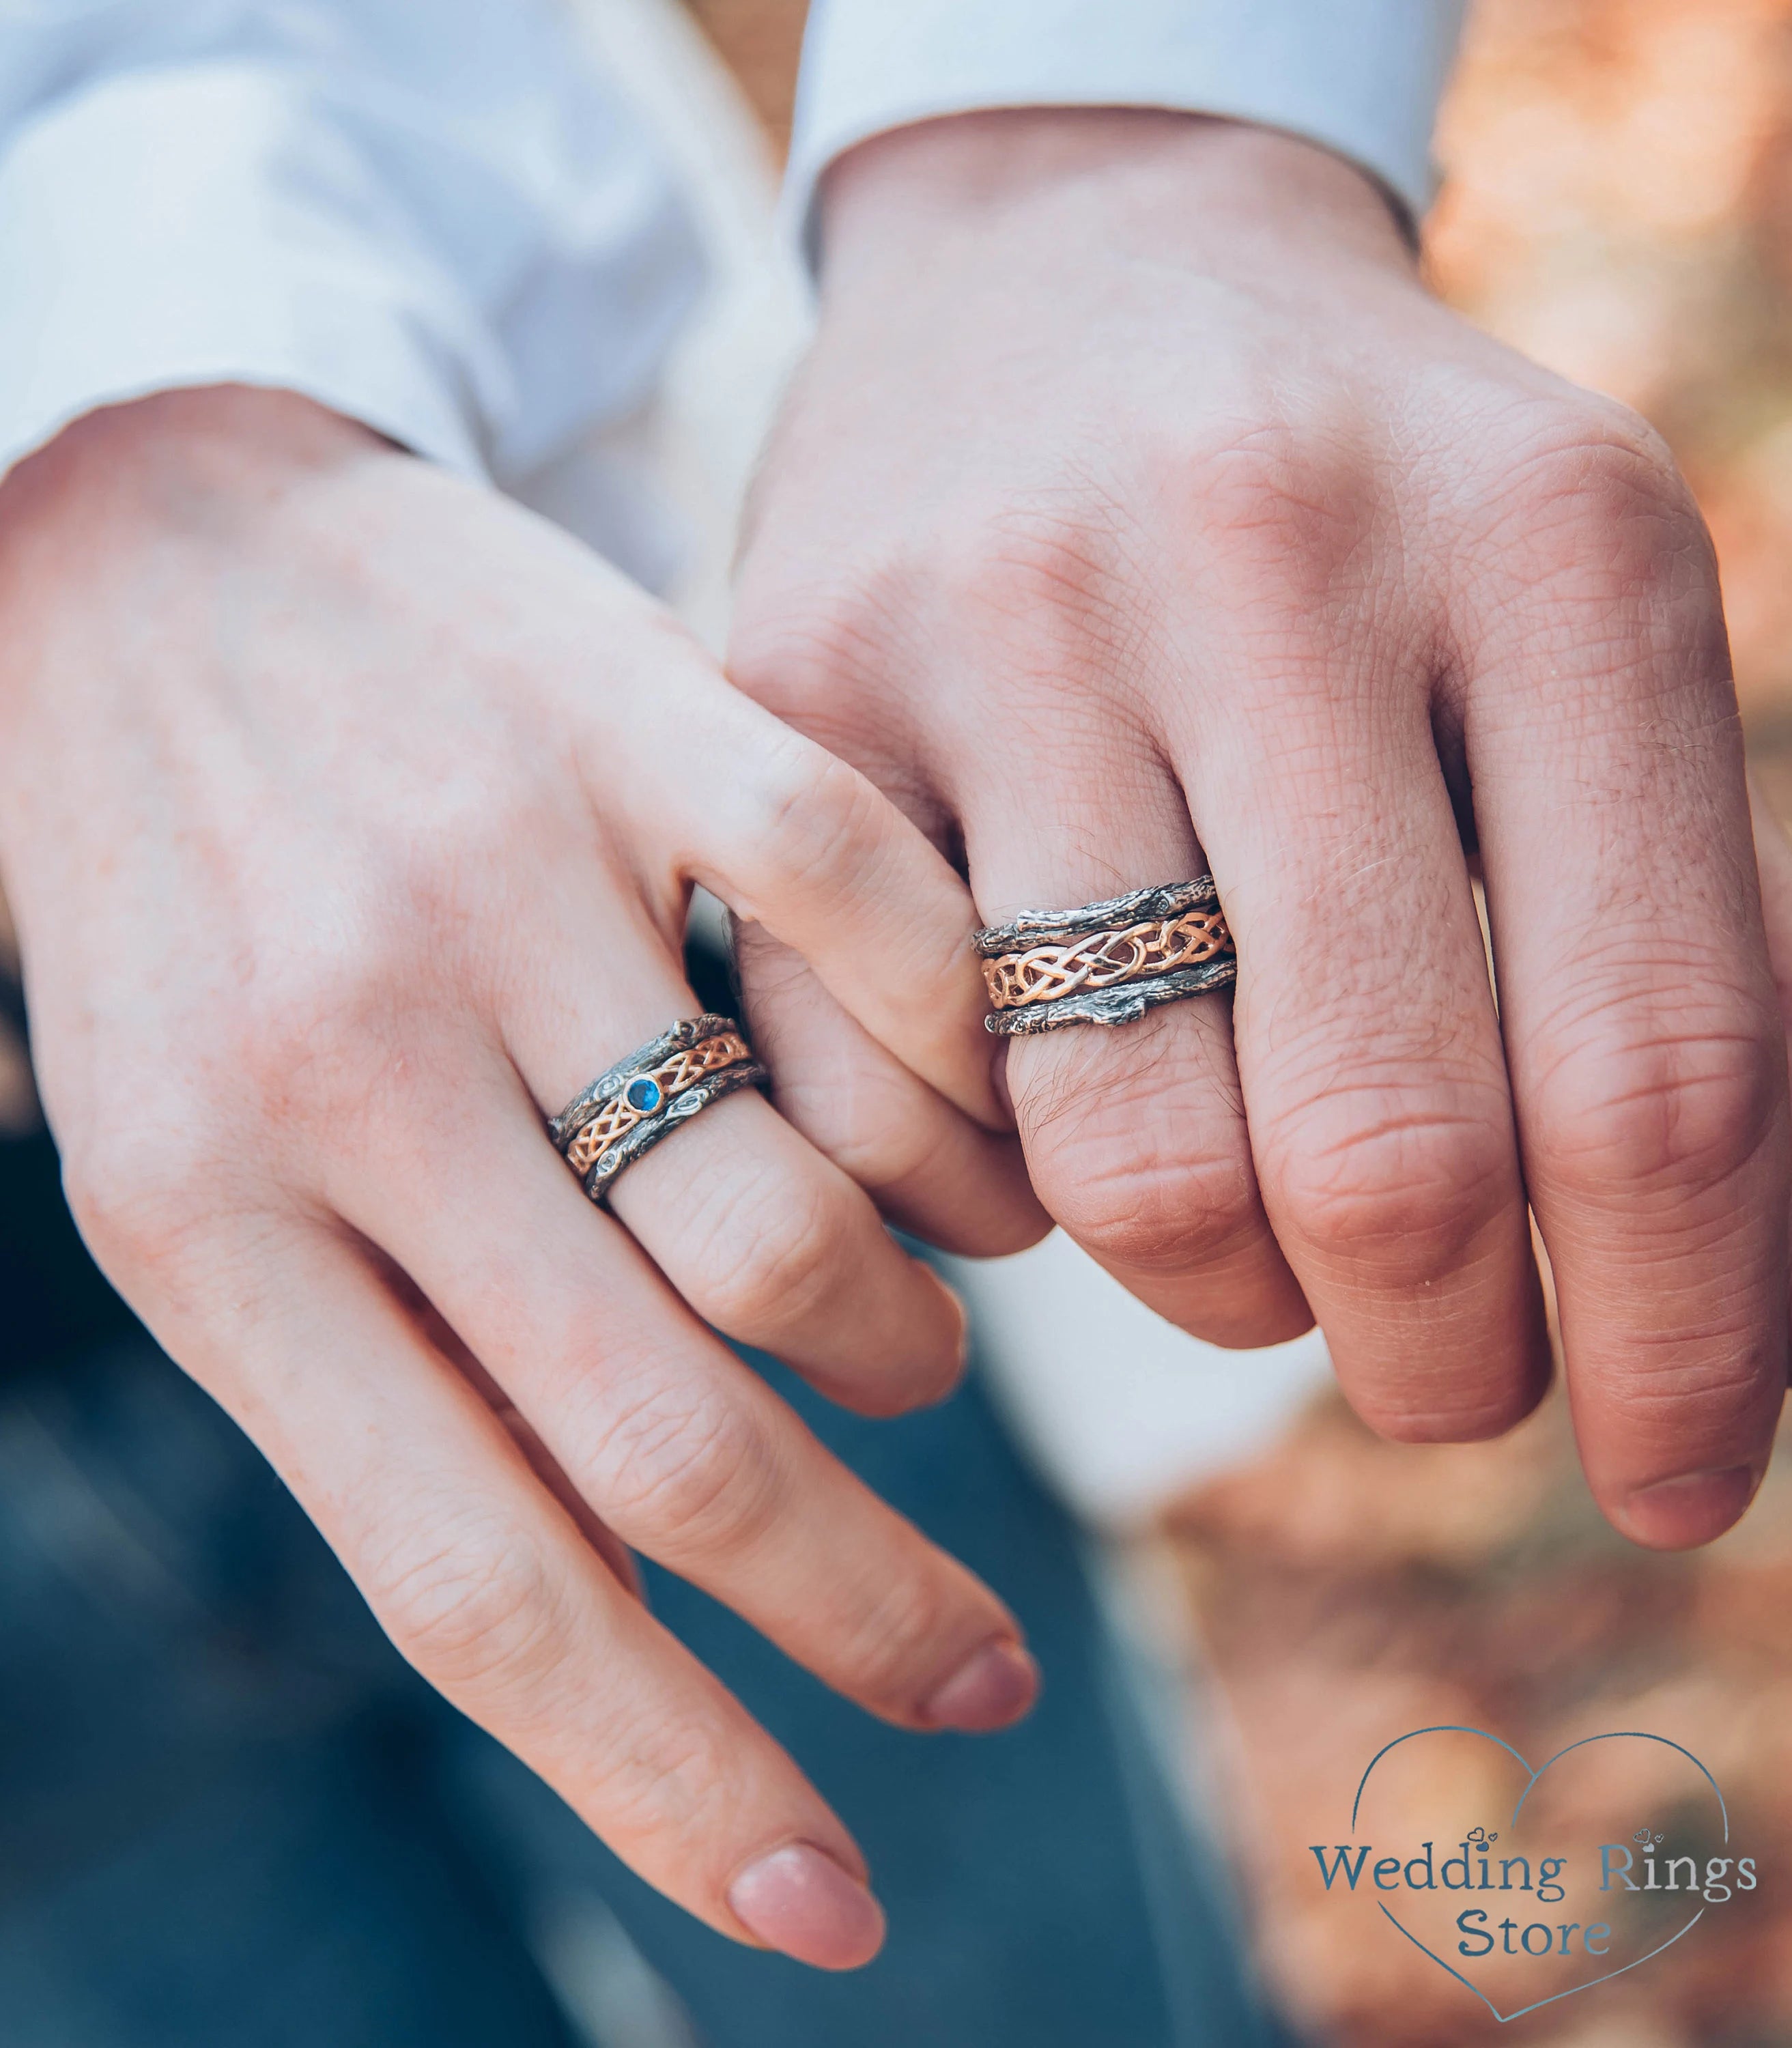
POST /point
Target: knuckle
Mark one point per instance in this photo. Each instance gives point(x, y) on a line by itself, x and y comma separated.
point(677, 1778)
point(1443, 1414)
point(1676, 1110)
point(819, 662)
point(1403, 1187)
point(812, 813)
point(470, 1607)
point(1139, 1186)
point(685, 1465)
point(1589, 489)
point(807, 651)
point(1684, 1383)
point(898, 1634)
point(1036, 574)
point(142, 1187)
point(1057, 583)
point(1293, 494)
point(1044, 573)
point(765, 1257)
point(1166, 1214)
point(1584, 444)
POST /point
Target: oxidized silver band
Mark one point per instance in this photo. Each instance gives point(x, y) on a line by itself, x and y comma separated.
point(631, 1106)
point(1107, 963)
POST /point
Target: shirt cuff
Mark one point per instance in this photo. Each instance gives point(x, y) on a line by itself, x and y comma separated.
point(190, 227)
point(1361, 77)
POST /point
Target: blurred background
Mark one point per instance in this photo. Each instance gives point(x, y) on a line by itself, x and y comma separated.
point(1618, 202)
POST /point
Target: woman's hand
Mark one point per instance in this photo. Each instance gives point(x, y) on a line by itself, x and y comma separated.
point(349, 815)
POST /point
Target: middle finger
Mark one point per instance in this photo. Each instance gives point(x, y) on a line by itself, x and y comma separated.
point(1134, 1136)
point(1369, 1049)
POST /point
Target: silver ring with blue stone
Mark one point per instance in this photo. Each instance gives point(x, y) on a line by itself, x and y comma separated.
point(631, 1106)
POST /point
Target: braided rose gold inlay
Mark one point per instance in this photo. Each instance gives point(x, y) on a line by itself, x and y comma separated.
point(1042, 974)
point(617, 1117)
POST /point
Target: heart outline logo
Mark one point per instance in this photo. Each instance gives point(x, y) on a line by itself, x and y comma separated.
point(1532, 1778)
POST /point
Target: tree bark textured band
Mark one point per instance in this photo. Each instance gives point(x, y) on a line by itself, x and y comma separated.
point(1107, 963)
point(631, 1106)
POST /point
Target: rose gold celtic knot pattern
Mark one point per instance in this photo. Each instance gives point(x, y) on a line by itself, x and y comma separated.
point(1043, 974)
point(654, 1090)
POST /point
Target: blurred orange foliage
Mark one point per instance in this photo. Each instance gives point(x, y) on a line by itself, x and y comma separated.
point(1618, 204)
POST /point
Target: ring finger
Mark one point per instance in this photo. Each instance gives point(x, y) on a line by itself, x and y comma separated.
point(764, 1238)
point(1135, 1137)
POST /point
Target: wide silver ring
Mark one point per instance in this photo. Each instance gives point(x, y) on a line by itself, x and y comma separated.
point(1106, 963)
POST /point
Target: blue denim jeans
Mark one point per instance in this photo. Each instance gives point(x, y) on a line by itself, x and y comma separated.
point(230, 1814)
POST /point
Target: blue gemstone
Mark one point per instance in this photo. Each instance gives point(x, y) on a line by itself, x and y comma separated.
point(643, 1094)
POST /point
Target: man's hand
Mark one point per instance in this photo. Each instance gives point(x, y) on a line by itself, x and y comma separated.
point(349, 815)
point(1138, 511)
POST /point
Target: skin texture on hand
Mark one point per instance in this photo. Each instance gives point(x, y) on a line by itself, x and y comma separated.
point(349, 815)
point(1138, 511)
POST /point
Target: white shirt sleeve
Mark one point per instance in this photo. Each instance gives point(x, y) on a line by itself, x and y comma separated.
point(429, 215)
point(1362, 77)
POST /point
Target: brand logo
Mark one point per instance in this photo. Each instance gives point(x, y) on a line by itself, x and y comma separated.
point(1542, 1894)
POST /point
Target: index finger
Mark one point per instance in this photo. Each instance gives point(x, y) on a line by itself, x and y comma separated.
point(792, 838)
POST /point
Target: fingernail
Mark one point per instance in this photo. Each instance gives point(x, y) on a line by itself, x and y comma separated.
point(800, 1901)
point(991, 1688)
point(963, 1353)
point(1675, 1513)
